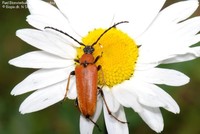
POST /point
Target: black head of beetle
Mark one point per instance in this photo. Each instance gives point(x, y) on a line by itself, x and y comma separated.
point(88, 49)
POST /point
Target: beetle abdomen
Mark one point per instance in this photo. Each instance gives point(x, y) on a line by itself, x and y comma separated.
point(86, 84)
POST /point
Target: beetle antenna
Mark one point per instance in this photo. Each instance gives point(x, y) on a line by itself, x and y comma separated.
point(65, 34)
point(108, 30)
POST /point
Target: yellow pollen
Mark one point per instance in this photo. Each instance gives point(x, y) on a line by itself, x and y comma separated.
point(118, 55)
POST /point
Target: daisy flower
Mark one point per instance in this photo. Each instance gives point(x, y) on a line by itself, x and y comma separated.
point(130, 55)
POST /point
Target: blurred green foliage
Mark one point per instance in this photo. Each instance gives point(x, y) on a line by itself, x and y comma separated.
point(63, 118)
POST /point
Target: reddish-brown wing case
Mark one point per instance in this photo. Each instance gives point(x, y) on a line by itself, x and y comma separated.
point(86, 84)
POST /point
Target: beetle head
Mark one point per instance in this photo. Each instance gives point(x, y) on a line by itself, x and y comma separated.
point(88, 49)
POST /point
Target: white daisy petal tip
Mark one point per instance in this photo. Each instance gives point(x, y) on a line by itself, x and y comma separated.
point(23, 109)
point(163, 76)
point(41, 59)
point(158, 127)
point(148, 95)
point(19, 32)
point(177, 111)
point(153, 118)
point(10, 62)
point(43, 98)
point(15, 62)
point(13, 92)
point(174, 108)
point(179, 79)
point(26, 109)
point(186, 81)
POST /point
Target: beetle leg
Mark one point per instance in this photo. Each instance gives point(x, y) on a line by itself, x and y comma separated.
point(97, 58)
point(87, 117)
point(76, 102)
point(67, 88)
point(109, 112)
point(99, 67)
point(76, 60)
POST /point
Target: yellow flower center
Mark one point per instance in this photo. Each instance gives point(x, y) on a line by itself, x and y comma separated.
point(118, 55)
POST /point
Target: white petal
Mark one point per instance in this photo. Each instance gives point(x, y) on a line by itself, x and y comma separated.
point(153, 96)
point(43, 98)
point(38, 6)
point(181, 35)
point(40, 59)
point(149, 57)
point(167, 54)
point(175, 13)
point(153, 118)
point(113, 126)
point(48, 41)
point(179, 11)
point(51, 16)
point(90, 13)
point(189, 54)
point(134, 93)
point(125, 97)
point(64, 37)
point(191, 40)
point(145, 66)
point(40, 79)
point(140, 14)
point(186, 31)
point(174, 48)
point(72, 93)
point(165, 24)
point(162, 76)
point(111, 102)
point(86, 126)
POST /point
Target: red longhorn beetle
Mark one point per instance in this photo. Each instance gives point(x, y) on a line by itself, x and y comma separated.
point(86, 74)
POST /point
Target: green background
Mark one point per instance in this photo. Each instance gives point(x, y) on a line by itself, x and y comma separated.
point(63, 118)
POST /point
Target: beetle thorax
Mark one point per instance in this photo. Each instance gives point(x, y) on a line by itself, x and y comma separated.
point(86, 59)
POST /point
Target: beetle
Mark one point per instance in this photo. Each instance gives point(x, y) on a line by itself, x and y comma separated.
point(86, 74)
point(86, 82)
